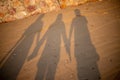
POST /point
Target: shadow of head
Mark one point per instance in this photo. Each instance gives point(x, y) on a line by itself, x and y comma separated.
point(59, 17)
point(77, 12)
point(41, 16)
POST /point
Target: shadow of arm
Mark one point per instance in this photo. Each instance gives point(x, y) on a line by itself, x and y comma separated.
point(36, 49)
point(66, 42)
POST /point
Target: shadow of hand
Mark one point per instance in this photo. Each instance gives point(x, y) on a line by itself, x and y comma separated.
point(31, 57)
point(68, 49)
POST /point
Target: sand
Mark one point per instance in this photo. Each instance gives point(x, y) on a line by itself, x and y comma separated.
point(76, 43)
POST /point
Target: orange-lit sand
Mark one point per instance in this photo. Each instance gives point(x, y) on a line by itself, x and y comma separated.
point(76, 43)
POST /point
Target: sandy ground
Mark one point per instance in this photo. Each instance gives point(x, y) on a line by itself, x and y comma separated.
point(76, 43)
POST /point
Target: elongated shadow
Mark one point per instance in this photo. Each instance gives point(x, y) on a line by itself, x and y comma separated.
point(50, 56)
point(15, 61)
point(84, 51)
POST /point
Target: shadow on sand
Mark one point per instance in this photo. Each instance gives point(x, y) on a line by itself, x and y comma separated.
point(84, 51)
point(51, 54)
point(15, 61)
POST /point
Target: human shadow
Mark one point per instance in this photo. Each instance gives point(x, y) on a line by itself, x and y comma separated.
point(50, 56)
point(15, 61)
point(84, 51)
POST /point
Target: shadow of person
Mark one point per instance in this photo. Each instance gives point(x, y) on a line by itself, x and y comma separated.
point(15, 61)
point(50, 56)
point(84, 51)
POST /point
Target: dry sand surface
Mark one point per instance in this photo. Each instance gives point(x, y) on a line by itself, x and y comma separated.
point(76, 43)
